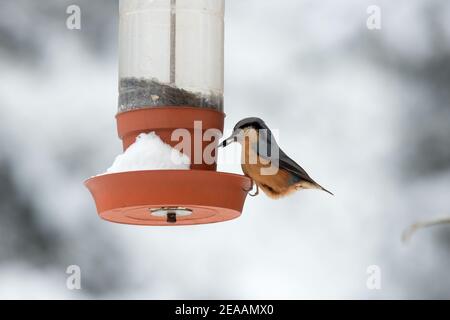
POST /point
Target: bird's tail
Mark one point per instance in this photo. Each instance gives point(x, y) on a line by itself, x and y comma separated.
point(312, 185)
point(323, 189)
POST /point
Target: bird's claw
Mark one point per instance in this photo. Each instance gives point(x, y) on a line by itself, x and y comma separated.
point(251, 188)
point(256, 192)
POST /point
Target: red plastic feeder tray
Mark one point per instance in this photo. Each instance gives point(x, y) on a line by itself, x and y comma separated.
point(175, 197)
point(168, 197)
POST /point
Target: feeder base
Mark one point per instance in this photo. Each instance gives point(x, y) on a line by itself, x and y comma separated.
point(169, 197)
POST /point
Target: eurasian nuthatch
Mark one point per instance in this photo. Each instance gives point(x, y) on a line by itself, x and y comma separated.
point(265, 163)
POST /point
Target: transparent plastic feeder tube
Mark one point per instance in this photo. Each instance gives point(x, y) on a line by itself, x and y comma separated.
point(171, 54)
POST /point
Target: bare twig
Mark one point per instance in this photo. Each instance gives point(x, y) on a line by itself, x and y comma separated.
point(408, 233)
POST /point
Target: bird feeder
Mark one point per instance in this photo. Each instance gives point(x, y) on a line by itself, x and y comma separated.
point(171, 77)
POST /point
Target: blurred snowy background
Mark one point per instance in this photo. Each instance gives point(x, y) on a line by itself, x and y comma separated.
point(366, 112)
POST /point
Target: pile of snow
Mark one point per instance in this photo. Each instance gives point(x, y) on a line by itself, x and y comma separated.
point(149, 152)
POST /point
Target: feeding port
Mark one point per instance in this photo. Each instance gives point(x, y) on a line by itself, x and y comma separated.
point(171, 75)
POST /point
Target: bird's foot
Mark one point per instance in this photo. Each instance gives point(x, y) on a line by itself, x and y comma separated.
point(256, 192)
point(251, 188)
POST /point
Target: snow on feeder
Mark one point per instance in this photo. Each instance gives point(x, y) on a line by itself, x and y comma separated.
point(170, 98)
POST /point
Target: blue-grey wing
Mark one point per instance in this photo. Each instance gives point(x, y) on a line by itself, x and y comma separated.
point(268, 148)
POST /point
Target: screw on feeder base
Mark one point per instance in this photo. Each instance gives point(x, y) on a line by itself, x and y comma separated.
point(171, 213)
point(171, 217)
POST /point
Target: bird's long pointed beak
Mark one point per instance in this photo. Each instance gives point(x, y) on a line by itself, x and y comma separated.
point(228, 141)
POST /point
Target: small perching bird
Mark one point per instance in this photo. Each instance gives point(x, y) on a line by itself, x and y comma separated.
point(265, 163)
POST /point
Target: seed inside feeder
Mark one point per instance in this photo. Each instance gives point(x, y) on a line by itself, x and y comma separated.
point(140, 93)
